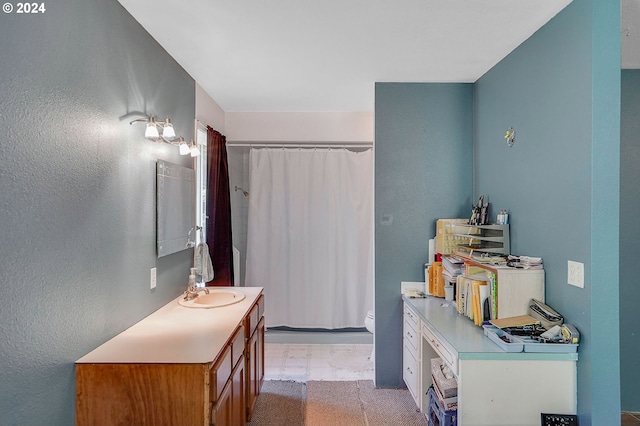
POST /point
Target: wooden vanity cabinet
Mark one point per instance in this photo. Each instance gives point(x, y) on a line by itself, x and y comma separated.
point(227, 384)
point(161, 372)
point(142, 394)
point(254, 363)
point(167, 394)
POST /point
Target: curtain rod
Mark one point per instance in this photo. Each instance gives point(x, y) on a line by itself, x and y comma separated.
point(301, 145)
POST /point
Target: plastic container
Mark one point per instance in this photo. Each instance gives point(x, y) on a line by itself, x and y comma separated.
point(531, 345)
point(526, 344)
point(438, 416)
point(513, 344)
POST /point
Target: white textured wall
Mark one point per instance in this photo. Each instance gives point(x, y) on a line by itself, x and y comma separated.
point(208, 112)
point(300, 126)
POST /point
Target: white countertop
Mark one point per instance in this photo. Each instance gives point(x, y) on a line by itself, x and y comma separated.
point(175, 334)
point(464, 336)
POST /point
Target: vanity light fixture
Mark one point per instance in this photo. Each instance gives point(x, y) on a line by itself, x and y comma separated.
point(151, 131)
point(167, 129)
point(163, 131)
point(182, 145)
point(193, 149)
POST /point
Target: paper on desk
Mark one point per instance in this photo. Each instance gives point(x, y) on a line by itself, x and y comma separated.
point(518, 321)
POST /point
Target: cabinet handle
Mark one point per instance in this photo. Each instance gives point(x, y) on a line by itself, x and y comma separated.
point(409, 334)
point(409, 370)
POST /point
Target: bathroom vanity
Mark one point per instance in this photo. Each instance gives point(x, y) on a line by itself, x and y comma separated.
point(178, 366)
point(494, 387)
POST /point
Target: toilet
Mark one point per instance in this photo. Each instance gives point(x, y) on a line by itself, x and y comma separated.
point(369, 323)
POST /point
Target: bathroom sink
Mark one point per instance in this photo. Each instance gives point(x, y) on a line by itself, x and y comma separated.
point(216, 298)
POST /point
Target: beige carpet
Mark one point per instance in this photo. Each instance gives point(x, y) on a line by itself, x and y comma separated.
point(280, 403)
point(324, 403)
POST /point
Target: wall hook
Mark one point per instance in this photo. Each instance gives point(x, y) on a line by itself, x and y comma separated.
point(510, 136)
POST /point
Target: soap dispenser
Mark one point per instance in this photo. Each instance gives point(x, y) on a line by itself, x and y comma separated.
point(192, 278)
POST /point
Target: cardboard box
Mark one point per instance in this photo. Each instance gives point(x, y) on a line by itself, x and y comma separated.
point(447, 404)
point(447, 387)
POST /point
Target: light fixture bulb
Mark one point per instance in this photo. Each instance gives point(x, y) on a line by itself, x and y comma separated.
point(152, 131)
point(183, 147)
point(194, 150)
point(167, 129)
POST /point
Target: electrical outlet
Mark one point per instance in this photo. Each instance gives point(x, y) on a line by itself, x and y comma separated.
point(153, 278)
point(575, 273)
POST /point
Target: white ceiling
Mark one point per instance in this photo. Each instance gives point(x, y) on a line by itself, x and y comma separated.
point(326, 55)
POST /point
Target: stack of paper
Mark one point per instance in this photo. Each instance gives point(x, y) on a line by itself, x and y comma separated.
point(524, 262)
point(452, 267)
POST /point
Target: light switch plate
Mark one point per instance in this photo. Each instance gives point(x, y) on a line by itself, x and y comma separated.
point(575, 273)
point(152, 278)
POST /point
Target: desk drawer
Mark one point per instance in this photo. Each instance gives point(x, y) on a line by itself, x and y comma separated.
point(411, 373)
point(448, 355)
point(412, 317)
point(411, 334)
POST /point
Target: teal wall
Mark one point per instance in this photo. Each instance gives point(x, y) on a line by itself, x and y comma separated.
point(629, 239)
point(560, 91)
point(423, 135)
point(77, 194)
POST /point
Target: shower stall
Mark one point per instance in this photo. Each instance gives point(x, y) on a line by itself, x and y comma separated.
point(302, 222)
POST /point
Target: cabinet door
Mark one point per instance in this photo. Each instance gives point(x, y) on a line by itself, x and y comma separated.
point(237, 395)
point(255, 367)
point(260, 356)
point(222, 412)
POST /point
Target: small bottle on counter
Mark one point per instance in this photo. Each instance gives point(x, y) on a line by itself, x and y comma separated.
point(192, 278)
point(503, 217)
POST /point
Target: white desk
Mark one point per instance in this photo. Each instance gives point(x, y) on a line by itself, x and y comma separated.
point(494, 387)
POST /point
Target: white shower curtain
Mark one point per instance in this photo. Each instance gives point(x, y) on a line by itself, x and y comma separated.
point(310, 235)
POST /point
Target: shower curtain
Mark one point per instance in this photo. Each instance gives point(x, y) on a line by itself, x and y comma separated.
point(310, 235)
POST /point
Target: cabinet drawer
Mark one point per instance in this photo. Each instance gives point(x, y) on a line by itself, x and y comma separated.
point(261, 306)
point(252, 320)
point(410, 372)
point(448, 355)
point(237, 345)
point(412, 317)
point(219, 374)
point(411, 335)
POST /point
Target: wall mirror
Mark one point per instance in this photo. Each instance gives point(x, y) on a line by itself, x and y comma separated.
point(175, 207)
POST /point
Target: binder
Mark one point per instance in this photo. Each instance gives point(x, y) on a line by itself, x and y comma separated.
point(436, 281)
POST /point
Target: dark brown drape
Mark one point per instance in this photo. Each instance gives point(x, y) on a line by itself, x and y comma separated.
point(219, 209)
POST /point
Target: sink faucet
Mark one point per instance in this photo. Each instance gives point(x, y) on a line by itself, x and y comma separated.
point(192, 289)
point(193, 292)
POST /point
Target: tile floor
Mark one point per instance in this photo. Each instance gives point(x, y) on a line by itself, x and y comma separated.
point(304, 362)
